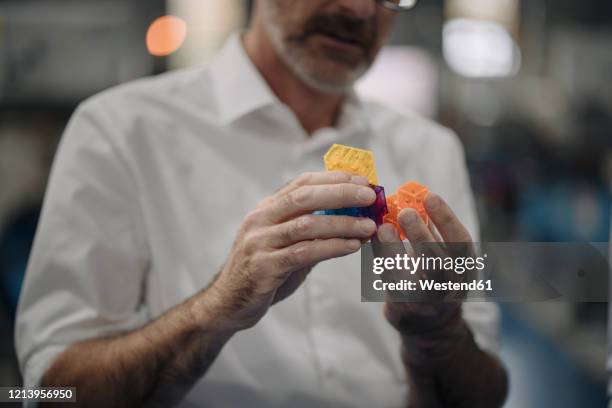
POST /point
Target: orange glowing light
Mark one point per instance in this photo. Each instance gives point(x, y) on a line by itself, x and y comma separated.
point(166, 35)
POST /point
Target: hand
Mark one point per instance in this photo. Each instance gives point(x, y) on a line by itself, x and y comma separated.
point(412, 318)
point(281, 240)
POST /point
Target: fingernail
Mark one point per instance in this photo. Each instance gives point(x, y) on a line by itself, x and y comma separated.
point(366, 195)
point(359, 180)
point(367, 226)
point(387, 233)
point(432, 202)
point(408, 217)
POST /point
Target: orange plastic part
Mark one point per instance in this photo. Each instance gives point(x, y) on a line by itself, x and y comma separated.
point(410, 195)
point(391, 217)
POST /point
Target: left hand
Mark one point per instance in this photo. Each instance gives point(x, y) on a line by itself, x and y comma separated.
point(416, 318)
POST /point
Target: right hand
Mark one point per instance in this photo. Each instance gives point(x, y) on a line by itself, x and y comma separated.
point(281, 240)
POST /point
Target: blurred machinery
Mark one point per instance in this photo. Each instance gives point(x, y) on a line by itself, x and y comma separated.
point(61, 51)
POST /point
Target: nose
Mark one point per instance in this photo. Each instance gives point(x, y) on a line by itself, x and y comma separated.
point(361, 9)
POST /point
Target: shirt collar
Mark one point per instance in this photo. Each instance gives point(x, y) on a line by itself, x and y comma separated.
point(353, 113)
point(239, 87)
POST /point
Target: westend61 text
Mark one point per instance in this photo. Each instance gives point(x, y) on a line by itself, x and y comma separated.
point(431, 285)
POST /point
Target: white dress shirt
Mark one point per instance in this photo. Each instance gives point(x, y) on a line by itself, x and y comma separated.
point(149, 187)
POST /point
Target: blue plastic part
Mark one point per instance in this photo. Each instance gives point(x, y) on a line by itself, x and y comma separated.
point(350, 212)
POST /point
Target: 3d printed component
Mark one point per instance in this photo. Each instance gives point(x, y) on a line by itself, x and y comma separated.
point(384, 210)
point(376, 212)
point(353, 161)
point(361, 163)
point(410, 195)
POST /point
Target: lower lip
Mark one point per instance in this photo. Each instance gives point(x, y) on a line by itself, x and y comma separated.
point(332, 42)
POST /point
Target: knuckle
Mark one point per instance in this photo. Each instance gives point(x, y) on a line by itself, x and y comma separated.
point(251, 218)
point(341, 177)
point(295, 258)
point(301, 253)
point(257, 266)
point(344, 192)
point(288, 261)
point(283, 237)
point(303, 225)
point(285, 202)
point(286, 235)
point(304, 179)
point(250, 244)
point(299, 197)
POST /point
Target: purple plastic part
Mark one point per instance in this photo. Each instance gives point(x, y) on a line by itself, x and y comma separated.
point(378, 210)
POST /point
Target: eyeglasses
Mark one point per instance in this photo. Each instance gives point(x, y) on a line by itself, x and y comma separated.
point(397, 5)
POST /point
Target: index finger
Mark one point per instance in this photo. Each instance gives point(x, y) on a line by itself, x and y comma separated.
point(307, 199)
point(447, 223)
point(319, 178)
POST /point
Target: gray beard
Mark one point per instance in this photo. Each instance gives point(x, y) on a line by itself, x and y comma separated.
point(294, 59)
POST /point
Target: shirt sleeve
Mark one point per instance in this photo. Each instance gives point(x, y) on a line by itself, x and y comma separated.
point(88, 264)
point(482, 317)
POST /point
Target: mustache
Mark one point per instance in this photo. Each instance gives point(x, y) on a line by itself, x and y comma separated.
point(360, 32)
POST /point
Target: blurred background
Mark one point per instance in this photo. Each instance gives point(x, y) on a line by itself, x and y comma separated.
point(526, 85)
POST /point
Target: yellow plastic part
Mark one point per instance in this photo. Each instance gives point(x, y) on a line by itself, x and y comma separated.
point(353, 161)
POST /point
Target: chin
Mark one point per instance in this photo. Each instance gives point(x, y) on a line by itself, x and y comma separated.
point(325, 83)
point(320, 71)
point(327, 76)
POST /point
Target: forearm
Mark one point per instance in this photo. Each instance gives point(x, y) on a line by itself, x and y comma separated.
point(446, 368)
point(154, 366)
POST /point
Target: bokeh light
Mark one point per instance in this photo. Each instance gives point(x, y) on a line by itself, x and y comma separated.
point(166, 35)
point(480, 49)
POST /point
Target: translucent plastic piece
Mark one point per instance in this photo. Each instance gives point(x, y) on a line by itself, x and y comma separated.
point(361, 163)
point(353, 161)
point(376, 212)
point(379, 209)
point(410, 195)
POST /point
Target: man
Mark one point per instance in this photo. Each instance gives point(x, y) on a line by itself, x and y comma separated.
point(135, 293)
